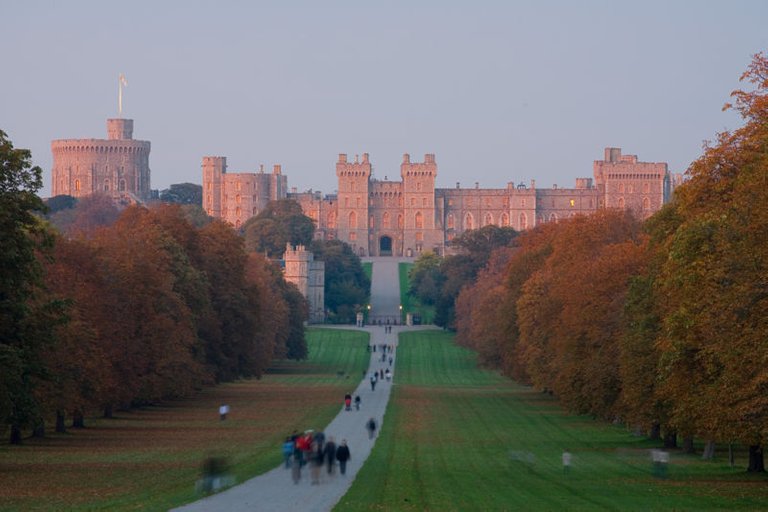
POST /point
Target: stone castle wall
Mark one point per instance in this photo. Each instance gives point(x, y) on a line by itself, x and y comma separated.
point(117, 166)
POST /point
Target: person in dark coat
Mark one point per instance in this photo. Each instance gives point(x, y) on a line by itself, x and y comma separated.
point(371, 426)
point(330, 454)
point(342, 455)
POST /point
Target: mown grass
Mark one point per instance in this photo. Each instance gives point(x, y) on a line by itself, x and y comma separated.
point(412, 304)
point(150, 459)
point(459, 438)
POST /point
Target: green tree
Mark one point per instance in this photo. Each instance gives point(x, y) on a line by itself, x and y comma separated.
point(280, 223)
point(424, 278)
point(183, 193)
point(21, 334)
point(347, 288)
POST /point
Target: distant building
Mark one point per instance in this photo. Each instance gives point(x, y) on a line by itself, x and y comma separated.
point(308, 275)
point(117, 166)
point(236, 197)
point(405, 217)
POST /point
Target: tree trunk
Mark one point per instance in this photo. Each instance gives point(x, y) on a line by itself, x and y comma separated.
point(670, 439)
point(108, 411)
point(60, 426)
point(688, 444)
point(39, 430)
point(756, 462)
point(15, 434)
point(709, 451)
point(655, 434)
point(77, 420)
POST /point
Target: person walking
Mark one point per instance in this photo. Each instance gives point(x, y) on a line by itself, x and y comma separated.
point(357, 402)
point(316, 461)
point(330, 454)
point(371, 426)
point(296, 466)
point(373, 381)
point(343, 455)
point(347, 401)
point(288, 447)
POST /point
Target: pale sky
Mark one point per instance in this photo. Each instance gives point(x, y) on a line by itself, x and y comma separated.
point(500, 91)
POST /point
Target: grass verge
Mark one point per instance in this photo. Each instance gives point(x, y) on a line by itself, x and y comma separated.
point(459, 438)
point(150, 459)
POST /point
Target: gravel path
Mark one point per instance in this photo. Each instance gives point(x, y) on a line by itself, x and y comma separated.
point(275, 490)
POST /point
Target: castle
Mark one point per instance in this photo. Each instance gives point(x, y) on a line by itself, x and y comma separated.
point(406, 217)
point(117, 166)
point(308, 274)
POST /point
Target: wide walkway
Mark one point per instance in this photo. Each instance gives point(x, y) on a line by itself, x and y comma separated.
point(275, 490)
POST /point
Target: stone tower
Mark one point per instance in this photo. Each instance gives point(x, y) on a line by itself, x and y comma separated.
point(117, 166)
point(214, 167)
point(419, 218)
point(308, 275)
point(354, 185)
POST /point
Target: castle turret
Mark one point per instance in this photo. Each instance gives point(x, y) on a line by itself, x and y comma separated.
point(214, 167)
point(354, 186)
point(419, 204)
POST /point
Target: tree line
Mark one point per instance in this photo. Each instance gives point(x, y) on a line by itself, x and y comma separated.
point(123, 308)
point(661, 325)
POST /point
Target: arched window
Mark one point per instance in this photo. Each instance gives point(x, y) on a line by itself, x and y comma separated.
point(488, 220)
point(419, 220)
point(646, 203)
point(400, 221)
point(449, 221)
point(621, 203)
point(106, 185)
point(237, 211)
point(77, 185)
point(552, 217)
point(352, 220)
point(121, 186)
point(505, 220)
point(621, 188)
point(332, 220)
point(385, 220)
point(523, 222)
point(630, 189)
point(468, 224)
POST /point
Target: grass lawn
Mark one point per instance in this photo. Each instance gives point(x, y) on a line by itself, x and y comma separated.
point(412, 304)
point(368, 269)
point(459, 438)
point(150, 459)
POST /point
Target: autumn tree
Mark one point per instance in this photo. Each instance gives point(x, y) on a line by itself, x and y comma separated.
point(347, 287)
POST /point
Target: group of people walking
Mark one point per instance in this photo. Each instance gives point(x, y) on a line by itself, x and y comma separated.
point(313, 450)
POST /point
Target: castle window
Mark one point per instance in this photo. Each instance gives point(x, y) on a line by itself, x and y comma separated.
point(77, 185)
point(504, 220)
point(449, 221)
point(239, 186)
point(646, 203)
point(210, 185)
point(468, 224)
point(237, 198)
point(418, 185)
point(419, 220)
point(237, 212)
point(621, 203)
point(385, 220)
point(450, 236)
point(255, 211)
point(553, 217)
point(106, 185)
point(450, 202)
point(523, 222)
point(621, 188)
point(352, 220)
point(332, 220)
point(488, 220)
point(353, 236)
point(121, 186)
point(630, 189)
point(400, 221)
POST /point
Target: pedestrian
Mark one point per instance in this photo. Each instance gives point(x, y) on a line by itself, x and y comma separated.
point(223, 411)
point(357, 402)
point(390, 361)
point(566, 461)
point(319, 438)
point(381, 373)
point(316, 461)
point(373, 381)
point(296, 466)
point(288, 447)
point(343, 455)
point(371, 426)
point(347, 401)
point(388, 375)
point(330, 454)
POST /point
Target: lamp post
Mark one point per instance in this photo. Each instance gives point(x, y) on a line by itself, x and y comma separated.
point(401, 313)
